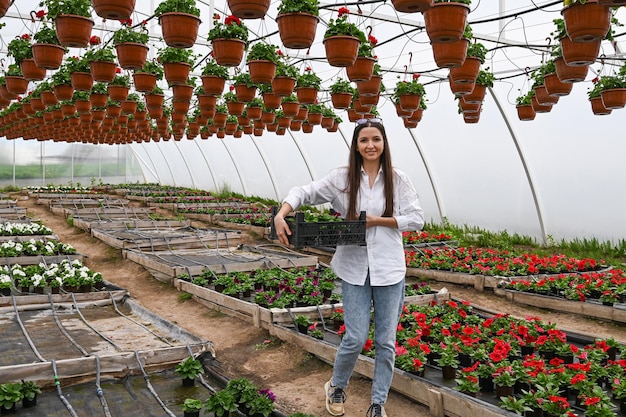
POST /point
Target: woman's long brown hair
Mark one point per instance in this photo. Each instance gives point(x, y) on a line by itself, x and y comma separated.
point(354, 172)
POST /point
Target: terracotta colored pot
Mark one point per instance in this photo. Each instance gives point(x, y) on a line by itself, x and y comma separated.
point(579, 53)
point(213, 85)
point(283, 86)
point(477, 95)
point(63, 92)
point(262, 71)
point(206, 102)
point(450, 54)
point(235, 108)
point(154, 101)
point(182, 92)
point(614, 98)
point(445, 22)
point(314, 118)
point(538, 107)
point(245, 93)
point(412, 6)
point(249, 9)
point(306, 95)
point(371, 100)
point(297, 30)
point(460, 89)
point(466, 73)
point(176, 72)
point(4, 6)
point(290, 109)
point(586, 22)
point(114, 9)
point(417, 115)
point(410, 102)
point(73, 31)
point(543, 97)
point(103, 71)
point(271, 101)
point(118, 92)
point(341, 51)
point(131, 55)
point(254, 112)
point(362, 69)
point(48, 56)
point(98, 100)
point(144, 82)
point(180, 30)
point(371, 87)
point(81, 81)
point(228, 52)
point(570, 74)
point(16, 85)
point(402, 113)
point(556, 87)
point(31, 71)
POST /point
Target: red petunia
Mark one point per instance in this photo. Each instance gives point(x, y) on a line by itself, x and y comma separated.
point(416, 76)
point(368, 345)
point(118, 70)
point(343, 11)
point(95, 40)
point(40, 14)
point(25, 37)
point(372, 40)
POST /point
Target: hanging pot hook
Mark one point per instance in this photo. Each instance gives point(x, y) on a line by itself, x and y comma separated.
point(369, 29)
point(2, 62)
point(33, 15)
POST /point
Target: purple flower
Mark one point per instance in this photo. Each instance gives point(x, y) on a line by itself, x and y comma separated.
point(269, 394)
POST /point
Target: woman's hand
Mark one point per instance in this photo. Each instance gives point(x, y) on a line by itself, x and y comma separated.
point(282, 229)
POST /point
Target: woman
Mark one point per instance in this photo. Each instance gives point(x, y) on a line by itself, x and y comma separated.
point(371, 274)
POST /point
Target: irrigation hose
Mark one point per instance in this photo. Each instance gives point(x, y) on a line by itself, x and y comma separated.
point(119, 349)
point(99, 390)
point(62, 329)
point(151, 388)
point(25, 333)
point(57, 382)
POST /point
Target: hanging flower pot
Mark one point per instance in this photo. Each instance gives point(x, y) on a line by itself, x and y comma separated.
point(401, 112)
point(283, 86)
point(271, 101)
point(297, 30)
point(361, 70)
point(16, 84)
point(412, 6)
point(341, 51)
point(114, 9)
point(371, 87)
point(31, 71)
point(131, 55)
point(568, 73)
point(556, 87)
point(47, 55)
point(4, 6)
point(213, 85)
point(244, 92)
point(63, 92)
point(176, 72)
point(249, 9)
point(72, 30)
point(586, 22)
point(543, 97)
point(228, 52)
point(290, 109)
point(118, 92)
point(614, 98)
point(262, 71)
point(182, 92)
point(370, 100)
point(467, 72)
point(598, 108)
point(98, 100)
point(81, 81)
point(445, 22)
point(477, 95)
point(103, 71)
point(460, 89)
point(144, 81)
point(450, 54)
point(538, 107)
point(579, 53)
point(409, 102)
point(180, 30)
point(306, 95)
point(254, 113)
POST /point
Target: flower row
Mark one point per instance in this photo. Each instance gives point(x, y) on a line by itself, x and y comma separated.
point(23, 229)
point(35, 247)
point(65, 273)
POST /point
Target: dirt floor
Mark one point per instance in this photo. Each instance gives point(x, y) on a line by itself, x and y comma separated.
point(296, 377)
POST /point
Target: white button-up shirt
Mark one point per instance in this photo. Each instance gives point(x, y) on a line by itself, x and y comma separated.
point(384, 253)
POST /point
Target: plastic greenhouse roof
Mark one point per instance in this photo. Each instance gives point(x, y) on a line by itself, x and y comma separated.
point(554, 177)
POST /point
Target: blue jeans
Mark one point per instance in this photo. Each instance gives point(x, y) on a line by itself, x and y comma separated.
point(357, 304)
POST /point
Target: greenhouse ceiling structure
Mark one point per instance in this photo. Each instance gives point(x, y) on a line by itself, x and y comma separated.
point(557, 176)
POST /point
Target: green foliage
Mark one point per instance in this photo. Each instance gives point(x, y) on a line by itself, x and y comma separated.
point(60, 7)
point(152, 67)
point(342, 86)
point(127, 34)
point(61, 77)
point(606, 83)
point(46, 34)
point(189, 368)
point(525, 99)
point(123, 80)
point(100, 88)
point(213, 68)
point(29, 389)
point(192, 404)
point(308, 79)
point(100, 54)
point(342, 27)
point(285, 70)
point(477, 50)
point(289, 99)
point(231, 28)
point(408, 87)
point(485, 77)
point(75, 64)
point(181, 6)
point(299, 6)
point(10, 393)
point(264, 52)
point(20, 48)
point(170, 54)
point(243, 78)
point(221, 403)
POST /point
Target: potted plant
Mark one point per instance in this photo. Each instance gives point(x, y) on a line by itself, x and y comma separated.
point(363, 67)
point(302, 323)
point(222, 403)
point(254, 108)
point(176, 63)
point(467, 382)
point(341, 92)
point(249, 9)
point(244, 87)
point(342, 40)
point(449, 362)
point(284, 80)
point(146, 77)
point(586, 21)
point(262, 61)
point(10, 394)
point(408, 94)
point(47, 50)
point(297, 22)
point(452, 54)
point(445, 21)
point(262, 404)
point(307, 86)
point(114, 9)
point(524, 106)
point(229, 40)
point(19, 48)
point(102, 63)
point(72, 21)
point(188, 370)
point(290, 105)
point(179, 20)
point(485, 79)
point(467, 73)
point(131, 45)
point(192, 407)
point(214, 78)
point(118, 88)
point(29, 390)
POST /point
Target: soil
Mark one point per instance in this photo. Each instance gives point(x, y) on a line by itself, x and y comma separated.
point(295, 376)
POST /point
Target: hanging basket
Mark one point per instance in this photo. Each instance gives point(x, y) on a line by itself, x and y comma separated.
point(48, 56)
point(114, 9)
point(290, 109)
point(283, 86)
point(306, 95)
point(213, 85)
point(538, 107)
point(81, 81)
point(180, 30)
point(98, 100)
point(371, 87)
point(73, 31)
point(297, 30)
point(555, 87)
point(477, 95)
point(371, 100)
point(16, 85)
point(144, 82)
point(598, 108)
point(271, 101)
point(31, 71)
point(450, 54)
point(543, 97)
point(176, 72)
point(4, 6)
point(262, 71)
point(118, 92)
point(445, 22)
point(460, 89)
point(228, 52)
point(466, 73)
point(182, 92)
point(614, 98)
point(361, 70)
point(254, 113)
point(410, 102)
point(525, 112)
point(341, 51)
point(412, 6)
point(103, 71)
point(245, 93)
point(249, 9)
point(403, 113)
point(579, 53)
point(570, 74)
point(131, 55)
point(586, 22)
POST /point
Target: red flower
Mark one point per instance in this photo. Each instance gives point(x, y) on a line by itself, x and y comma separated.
point(307, 69)
point(592, 401)
point(368, 345)
point(416, 76)
point(216, 16)
point(372, 40)
point(232, 87)
point(595, 80)
point(95, 40)
point(127, 22)
point(343, 11)
point(144, 22)
point(40, 14)
point(25, 36)
point(232, 19)
point(118, 70)
point(279, 52)
point(417, 364)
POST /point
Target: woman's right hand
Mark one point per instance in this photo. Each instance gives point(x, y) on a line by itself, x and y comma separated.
point(282, 229)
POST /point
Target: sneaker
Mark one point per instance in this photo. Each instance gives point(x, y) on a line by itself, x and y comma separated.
point(335, 397)
point(376, 410)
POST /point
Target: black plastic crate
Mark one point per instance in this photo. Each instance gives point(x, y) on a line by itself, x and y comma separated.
point(322, 234)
